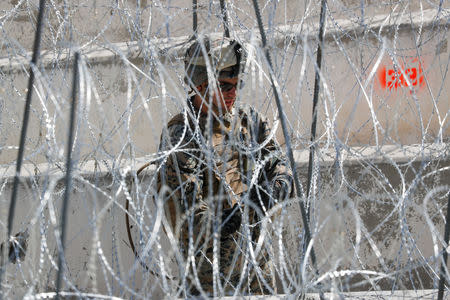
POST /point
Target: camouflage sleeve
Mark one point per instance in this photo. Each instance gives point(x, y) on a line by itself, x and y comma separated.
point(277, 176)
point(180, 178)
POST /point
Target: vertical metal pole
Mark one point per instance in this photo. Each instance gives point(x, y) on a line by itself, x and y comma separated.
point(225, 18)
point(444, 251)
point(194, 16)
point(68, 179)
point(23, 134)
point(287, 140)
point(312, 147)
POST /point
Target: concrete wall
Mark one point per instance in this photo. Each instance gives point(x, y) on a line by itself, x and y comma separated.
point(123, 101)
point(368, 216)
point(119, 21)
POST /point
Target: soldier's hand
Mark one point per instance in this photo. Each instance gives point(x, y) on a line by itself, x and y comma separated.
point(259, 194)
point(269, 194)
point(16, 247)
point(231, 220)
point(281, 190)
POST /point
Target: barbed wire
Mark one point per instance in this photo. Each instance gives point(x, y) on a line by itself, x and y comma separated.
point(378, 186)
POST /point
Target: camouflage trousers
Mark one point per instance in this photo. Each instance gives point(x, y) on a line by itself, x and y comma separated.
point(236, 272)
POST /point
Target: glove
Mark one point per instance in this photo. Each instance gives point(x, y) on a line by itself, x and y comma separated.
point(279, 190)
point(259, 194)
point(17, 247)
point(231, 220)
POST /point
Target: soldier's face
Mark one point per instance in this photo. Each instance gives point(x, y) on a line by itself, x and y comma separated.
point(223, 98)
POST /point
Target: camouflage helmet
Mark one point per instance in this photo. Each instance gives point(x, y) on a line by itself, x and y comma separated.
point(226, 58)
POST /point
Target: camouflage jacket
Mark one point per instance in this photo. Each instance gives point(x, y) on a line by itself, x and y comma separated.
point(209, 175)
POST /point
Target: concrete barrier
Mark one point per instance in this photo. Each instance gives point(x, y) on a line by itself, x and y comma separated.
point(373, 102)
point(368, 218)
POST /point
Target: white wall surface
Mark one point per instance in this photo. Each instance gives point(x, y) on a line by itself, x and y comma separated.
point(99, 259)
point(123, 100)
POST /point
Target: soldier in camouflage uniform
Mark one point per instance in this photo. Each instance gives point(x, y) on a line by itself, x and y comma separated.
point(222, 172)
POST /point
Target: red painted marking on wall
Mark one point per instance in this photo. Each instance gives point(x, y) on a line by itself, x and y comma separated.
point(394, 78)
point(382, 77)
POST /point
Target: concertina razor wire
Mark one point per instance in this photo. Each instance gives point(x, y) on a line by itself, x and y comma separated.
point(379, 179)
